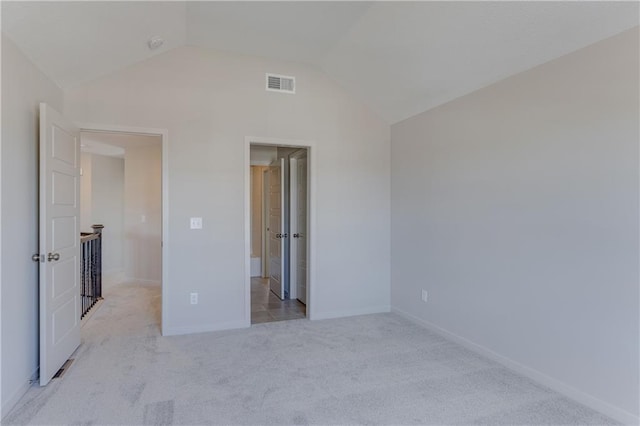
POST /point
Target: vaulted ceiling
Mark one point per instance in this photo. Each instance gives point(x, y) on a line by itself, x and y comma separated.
point(400, 58)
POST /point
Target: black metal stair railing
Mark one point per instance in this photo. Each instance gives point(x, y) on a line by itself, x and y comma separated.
point(91, 268)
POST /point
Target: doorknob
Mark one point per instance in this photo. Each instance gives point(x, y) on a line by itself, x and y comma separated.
point(53, 256)
point(278, 235)
point(36, 257)
point(297, 236)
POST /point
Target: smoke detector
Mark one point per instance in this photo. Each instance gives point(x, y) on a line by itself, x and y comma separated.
point(155, 42)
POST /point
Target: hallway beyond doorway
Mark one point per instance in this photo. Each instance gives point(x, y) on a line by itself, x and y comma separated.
point(267, 307)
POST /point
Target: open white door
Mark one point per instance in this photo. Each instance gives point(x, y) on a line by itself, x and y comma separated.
point(59, 241)
point(265, 224)
point(277, 236)
point(298, 215)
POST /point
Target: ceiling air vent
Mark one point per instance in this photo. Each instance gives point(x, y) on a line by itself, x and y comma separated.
point(281, 83)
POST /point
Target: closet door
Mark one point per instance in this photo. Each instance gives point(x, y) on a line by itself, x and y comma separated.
point(298, 215)
point(277, 230)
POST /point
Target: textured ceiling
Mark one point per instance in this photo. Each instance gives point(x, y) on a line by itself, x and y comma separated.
point(400, 58)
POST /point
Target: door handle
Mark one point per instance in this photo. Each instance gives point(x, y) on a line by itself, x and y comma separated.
point(37, 257)
point(53, 256)
point(278, 235)
point(297, 236)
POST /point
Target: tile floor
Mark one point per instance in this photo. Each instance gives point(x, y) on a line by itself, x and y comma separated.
point(267, 307)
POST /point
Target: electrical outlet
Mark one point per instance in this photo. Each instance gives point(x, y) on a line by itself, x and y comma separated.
point(194, 298)
point(196, 223)
point(425, 296)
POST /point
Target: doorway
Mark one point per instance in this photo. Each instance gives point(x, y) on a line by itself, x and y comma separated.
point(123, 188)
point(279, 211)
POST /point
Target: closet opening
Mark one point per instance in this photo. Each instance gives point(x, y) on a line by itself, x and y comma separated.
point(279, 232)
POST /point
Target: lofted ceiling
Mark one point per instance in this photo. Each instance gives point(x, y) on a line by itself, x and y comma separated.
point(400, 58)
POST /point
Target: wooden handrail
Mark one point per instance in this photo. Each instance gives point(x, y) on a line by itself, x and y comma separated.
point(88, 236)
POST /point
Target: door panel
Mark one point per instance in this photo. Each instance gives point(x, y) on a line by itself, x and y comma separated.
point(276, 226)
point(63, 233)
point(301, 216)
point(64, 189)
point(62, 145)
point(299, 224)
point(63, 321)
point(62, 277)
point(59, 241)
point(265, 220)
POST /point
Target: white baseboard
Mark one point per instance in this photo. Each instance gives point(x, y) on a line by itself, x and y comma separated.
point(192, 329)
point(142, 281)
point(583, 398)
point(113, 277)
point(351, 313)
point(8, 405)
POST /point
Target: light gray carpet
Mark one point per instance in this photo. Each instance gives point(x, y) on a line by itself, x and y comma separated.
point(374, 369)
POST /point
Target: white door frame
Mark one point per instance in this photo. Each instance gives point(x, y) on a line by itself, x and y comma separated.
point(164, 134)
point(311, 161)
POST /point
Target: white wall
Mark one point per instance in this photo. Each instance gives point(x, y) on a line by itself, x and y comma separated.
point(263, 155)
point(86, 181)
point(107, 208)
point(23, 87)
point(143, 212)
point(209, 101)
point(516, 207)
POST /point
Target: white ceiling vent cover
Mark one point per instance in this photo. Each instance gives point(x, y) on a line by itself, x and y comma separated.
point(281, 83)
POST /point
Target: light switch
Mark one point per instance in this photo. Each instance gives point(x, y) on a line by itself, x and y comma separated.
point(196, 223)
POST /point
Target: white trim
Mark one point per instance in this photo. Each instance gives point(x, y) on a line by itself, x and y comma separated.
point(113, 128)
point(177, 331)
point(2, 406)
point(112, 278)
point(164, 133)
point(577, 395)
point(112, 272)
point(143, 281)
point(311, 161)
point(353, 312)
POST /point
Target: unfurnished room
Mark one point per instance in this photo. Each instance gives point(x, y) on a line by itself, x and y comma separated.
point(329, 213)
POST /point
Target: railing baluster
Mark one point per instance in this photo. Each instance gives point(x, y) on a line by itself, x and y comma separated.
point(91, 268)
